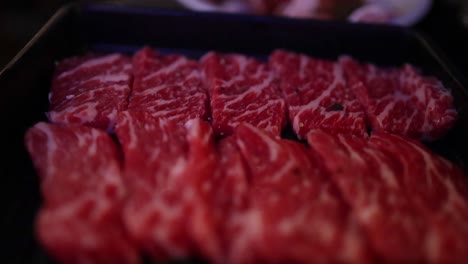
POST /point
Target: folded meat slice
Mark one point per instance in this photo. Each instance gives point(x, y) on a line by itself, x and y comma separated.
point(233, 186)
point(295, 213)
point(229, 196)
point(401, 100)
point(82, 190)
point(90, 90)
point(168, 168)
point(317, 95)
point(371, 183)
point(168, 86)
point(401, 191)
point(97, 108)
point(439, 191)
point(242, 90)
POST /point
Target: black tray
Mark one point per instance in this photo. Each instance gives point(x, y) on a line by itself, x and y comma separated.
point(75, 29)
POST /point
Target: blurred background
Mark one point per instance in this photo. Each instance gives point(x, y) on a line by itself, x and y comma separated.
point(445, 21)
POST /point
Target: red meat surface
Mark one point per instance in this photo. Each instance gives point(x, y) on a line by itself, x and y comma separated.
point(370, 182)
point(231, 188)
point(317, 95)
point(401, 100)
point(90, 90)
point(242, 90)
point(402, 192)
point(168, 86)
point(439, 191)
point(173, 192)
point(82, 190)
point(295, 214)
point(166, 167)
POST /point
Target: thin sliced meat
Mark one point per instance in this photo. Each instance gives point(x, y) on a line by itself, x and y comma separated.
point(296, 214)
point(317, 95)
point(225, 193)
point(97, 108)
point(231, 195)
point(83, 192)
point(198, 175)
point(401, 100)
point(371, 182)
point(90, 90)
point(76, 75)
point(168, 86)
point(233, 187)
point(167, 168)
point(242, 90)
point(439, 191)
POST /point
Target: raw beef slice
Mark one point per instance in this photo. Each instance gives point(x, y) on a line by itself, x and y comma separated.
point(401, 100)
point(371, 183)
point(82, 190)
point(440, 192)
point(90, 90)
point(233, 186)
point(399, 190)
point(231, 195)
point(166, 165)
point(317, 95)
point(296, 214)
point(242, 90)
point(168, 86)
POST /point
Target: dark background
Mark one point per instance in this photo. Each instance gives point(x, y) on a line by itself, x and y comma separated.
point(21, 19)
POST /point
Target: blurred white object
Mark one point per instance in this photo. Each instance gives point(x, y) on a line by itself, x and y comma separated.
point(398, 12)
point(301, 9)
point(372, 13)
point(406, 12)
point(229, 6)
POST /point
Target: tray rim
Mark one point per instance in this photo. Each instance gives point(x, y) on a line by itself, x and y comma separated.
point(55, 18)
point(425, 40)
